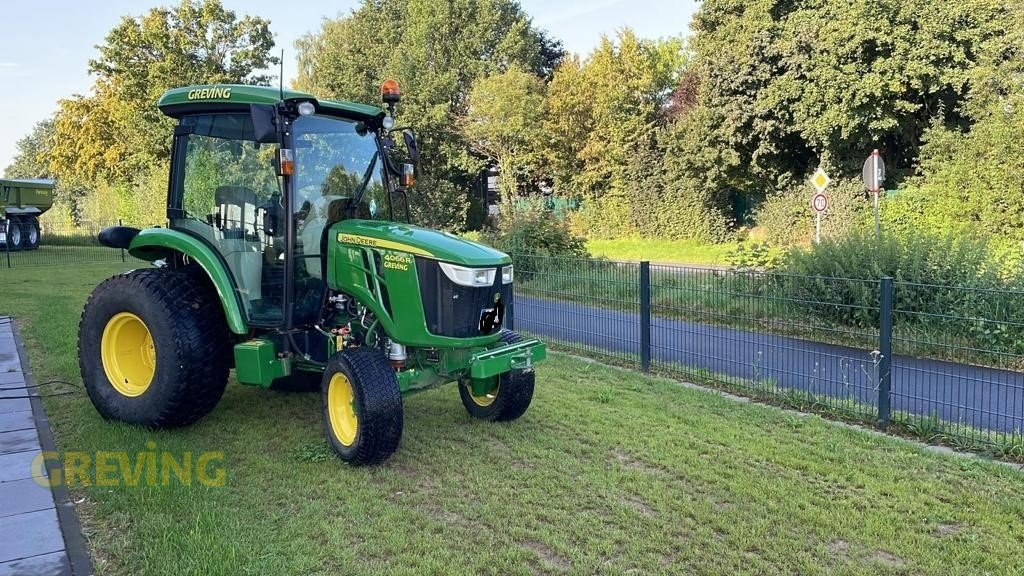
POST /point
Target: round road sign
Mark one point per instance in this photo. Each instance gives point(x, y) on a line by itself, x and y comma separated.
point(819, 202)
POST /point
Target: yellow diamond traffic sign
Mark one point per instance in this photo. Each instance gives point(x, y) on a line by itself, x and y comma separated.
point(820, 180)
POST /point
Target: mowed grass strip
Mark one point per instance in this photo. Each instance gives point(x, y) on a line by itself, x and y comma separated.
point(610, 472)
point(661, 250)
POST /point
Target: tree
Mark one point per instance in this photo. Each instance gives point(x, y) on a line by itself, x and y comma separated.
point(788, 85)
point(600, 109)
point(504, 124)
point(116, 132)
point(31, 159)
point(436, 49)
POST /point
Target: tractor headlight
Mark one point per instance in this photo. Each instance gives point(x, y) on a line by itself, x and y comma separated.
point(507, 274)
point(468, 276)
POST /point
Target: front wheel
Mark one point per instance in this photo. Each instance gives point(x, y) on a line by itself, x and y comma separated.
point(362, 406)
point(507, 396)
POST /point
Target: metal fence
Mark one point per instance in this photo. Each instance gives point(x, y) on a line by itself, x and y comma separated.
point(939, 362)
point(60, 244)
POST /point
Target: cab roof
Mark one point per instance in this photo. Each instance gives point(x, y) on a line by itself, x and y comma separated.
point(177, 102)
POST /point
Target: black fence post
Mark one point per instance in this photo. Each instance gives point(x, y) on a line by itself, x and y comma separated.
point(7, 240)
point(885, 353)
point(645, 316)
point(119, 223)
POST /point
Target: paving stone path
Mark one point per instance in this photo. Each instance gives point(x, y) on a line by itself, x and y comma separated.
point(39, 532)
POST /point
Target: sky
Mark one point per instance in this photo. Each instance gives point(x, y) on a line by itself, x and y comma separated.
point(47, 44)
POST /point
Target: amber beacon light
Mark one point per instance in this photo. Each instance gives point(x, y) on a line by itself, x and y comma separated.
point(389, 91)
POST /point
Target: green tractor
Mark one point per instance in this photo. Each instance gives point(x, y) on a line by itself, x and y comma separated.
point(287, 257)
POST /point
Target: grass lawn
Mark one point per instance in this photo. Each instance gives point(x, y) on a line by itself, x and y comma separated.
point(665, 251)
point(610, 472)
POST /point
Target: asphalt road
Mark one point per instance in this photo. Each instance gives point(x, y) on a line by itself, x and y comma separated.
point(959, 393)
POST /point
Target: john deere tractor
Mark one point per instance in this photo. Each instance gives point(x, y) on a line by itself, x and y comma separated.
point(287, 257)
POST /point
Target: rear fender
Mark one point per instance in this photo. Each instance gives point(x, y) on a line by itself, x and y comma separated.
point(155, 243)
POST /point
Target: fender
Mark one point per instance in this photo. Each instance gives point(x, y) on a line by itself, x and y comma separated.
point(156, 243)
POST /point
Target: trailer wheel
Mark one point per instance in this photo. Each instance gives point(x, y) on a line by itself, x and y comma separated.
point(510, 393)
point(154, 348)
point(362, 406)
point(30, 233)
point(15, 239)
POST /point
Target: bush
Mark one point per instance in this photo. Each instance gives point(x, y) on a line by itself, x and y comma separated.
point(949, 287)
point(535, 232)
point(605, 218)
point(787, 218)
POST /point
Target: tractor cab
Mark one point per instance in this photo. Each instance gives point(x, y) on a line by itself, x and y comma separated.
point(261, 175)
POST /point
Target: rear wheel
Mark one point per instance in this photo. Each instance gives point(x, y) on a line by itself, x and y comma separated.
point(362, 406)
point(507, 397)
point(153, 348)
point(15, 239)
point(30, 233)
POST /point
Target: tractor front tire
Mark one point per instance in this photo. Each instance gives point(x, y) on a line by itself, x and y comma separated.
point(154, 348)
point(362, 406)
point(509, 396)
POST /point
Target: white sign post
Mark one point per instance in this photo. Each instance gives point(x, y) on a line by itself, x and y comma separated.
point(819, 202)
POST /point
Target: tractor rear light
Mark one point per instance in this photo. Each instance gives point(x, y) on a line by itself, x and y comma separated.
point(469, 276)
point(286, 161)
point(507, 274)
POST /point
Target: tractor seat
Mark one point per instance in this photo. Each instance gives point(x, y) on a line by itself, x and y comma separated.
point(117, 236)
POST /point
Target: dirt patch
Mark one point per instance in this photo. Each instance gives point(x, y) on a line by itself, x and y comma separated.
point(840, 548)
point(547, 555)
point(630, 462)
point(886, 558)
point(448, 517)
point(638, 505)
point(946, 529)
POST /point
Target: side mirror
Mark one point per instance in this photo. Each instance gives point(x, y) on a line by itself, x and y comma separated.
point(411, 145)
point(264, 123)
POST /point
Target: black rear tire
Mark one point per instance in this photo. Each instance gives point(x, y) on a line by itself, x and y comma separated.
point(506, 401)
point(30, 233)
point(362, 406)
point(179, 319)
point(15, 239)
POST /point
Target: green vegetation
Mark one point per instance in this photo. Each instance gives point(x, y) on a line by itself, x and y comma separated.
point(610, 471)
point(684, 140)
point(662, 250)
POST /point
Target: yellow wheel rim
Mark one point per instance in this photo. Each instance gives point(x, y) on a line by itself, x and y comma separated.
point(128, 353)
point(341, 409)
point(483, 400)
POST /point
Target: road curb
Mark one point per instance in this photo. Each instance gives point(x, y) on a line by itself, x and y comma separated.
point(74, 541)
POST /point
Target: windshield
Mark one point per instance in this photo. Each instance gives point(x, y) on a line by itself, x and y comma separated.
point(338, 168)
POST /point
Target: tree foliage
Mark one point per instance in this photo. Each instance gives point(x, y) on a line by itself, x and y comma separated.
point(116, 135)
point(791, 84)
point(33, 150)
point(504, 124)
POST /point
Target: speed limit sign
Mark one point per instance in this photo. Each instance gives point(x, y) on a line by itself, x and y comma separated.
point(819, 203)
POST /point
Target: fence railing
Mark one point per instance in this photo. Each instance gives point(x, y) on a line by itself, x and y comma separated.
point(939, 362)
point(55, 245)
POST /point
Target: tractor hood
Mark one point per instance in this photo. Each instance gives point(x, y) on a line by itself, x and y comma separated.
point(418, 241)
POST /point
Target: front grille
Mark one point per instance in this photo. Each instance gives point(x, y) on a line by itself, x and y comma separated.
point(454, 310)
